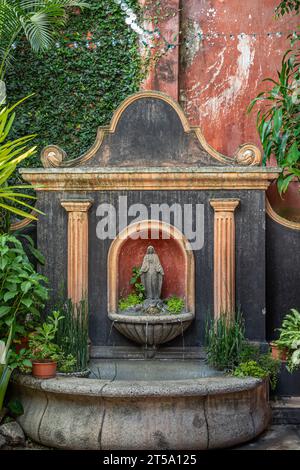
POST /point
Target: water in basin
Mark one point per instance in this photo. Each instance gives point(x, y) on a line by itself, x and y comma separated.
point(150, 370)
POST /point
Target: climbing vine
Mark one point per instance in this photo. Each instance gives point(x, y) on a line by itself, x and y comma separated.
point(93, 66)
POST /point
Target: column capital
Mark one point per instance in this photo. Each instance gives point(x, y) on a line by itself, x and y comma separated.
point(224, 205)
point(76, 205)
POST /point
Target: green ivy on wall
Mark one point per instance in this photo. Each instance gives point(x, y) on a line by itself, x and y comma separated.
point(94, 65)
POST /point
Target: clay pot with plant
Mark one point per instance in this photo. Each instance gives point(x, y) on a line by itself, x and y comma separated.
point(289, 339)
point(278, 352)
point(45, 353)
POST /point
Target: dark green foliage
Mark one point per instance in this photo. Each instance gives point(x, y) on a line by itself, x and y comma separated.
point(224, 341)
point(22, 291)
point(72, 336)
point(76, 89)
point(15, 408)
point(288, 6)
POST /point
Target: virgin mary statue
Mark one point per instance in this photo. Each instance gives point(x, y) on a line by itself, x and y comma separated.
point(152, 274)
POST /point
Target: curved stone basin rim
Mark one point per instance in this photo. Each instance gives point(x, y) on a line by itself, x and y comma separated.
point(152, 319)
point(89, 414)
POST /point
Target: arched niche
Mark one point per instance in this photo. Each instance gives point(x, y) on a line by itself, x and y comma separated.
point(173, 249)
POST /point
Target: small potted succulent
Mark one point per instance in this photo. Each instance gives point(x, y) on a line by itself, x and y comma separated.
point(44, 352)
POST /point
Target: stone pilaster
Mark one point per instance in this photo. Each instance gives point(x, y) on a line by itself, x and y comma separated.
point(224, 255)
point(77, 210)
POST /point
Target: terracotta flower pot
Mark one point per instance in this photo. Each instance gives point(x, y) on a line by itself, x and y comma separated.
point(278, 353)
point(22, 345)
point(44, 369)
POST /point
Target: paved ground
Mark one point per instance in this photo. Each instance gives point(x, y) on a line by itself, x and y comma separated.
point(277, 437)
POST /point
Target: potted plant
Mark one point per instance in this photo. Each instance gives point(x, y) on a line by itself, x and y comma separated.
point(289, 339)
point(45, 353)
point(278, 351)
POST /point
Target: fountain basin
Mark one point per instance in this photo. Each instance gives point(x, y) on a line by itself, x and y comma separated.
point(151, 330)
point(120, 413)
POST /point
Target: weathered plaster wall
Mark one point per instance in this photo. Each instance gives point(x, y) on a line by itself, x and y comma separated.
point(226, 49)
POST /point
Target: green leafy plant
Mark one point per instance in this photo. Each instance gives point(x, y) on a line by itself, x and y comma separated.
point(225, 338)
point(290, 338)
point(42, 341)
point(278, 121)
point(130, 301)
point(175, 304)
point(250, 368)
point(22, 289)
point(72, 336)
point(265, 367)
point(37, 20)
point(135, 281)
point(67, 363)
point(12, 152)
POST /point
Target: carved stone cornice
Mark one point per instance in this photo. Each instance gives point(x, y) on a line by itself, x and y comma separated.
point(86, 179)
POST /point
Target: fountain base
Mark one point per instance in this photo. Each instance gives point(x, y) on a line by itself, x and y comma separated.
point(143, 405)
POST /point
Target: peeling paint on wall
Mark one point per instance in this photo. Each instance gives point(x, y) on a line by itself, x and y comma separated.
point(234, 84)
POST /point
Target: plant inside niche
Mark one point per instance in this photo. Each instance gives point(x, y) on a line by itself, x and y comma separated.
point(172, 305)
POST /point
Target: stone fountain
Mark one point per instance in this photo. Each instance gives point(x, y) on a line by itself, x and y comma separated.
point(151, 155)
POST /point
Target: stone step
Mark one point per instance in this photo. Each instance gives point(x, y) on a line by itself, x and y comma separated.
point(286, 410)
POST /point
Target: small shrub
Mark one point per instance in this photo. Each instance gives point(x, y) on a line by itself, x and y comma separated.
point(175, 304)
point(67, 363)
point(250, 368)
point(72, 336)
point(264, 367)
point(225, 340)
point(130, 301)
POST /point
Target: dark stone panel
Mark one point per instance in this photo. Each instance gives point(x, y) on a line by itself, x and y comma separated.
point(52, 242)
point(288, 384)
point(150, 133)
point(282, 273)
point(250, 254)
point(250, 263)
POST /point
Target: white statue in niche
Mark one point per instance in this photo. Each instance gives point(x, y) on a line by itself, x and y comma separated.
point(152, 274)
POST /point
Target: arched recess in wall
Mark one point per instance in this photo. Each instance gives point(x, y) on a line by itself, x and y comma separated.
point(179, 277)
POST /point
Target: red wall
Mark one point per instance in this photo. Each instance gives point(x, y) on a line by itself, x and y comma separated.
point(171, 258)
point(214, 77)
